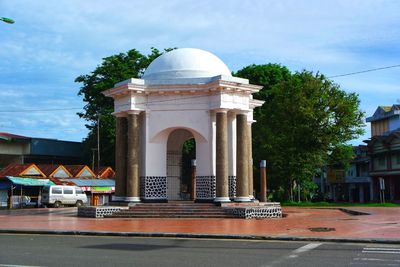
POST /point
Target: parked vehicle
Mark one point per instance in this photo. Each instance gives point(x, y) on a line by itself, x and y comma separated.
point(58, 195)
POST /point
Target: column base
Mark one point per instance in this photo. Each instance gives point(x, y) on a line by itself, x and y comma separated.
point(125, 199)
point(117, 198)
point(222, 199)
point(242, 199)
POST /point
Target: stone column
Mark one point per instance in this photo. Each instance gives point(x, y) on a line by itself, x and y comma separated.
point(133, 179)
point(242, 159)
point(120, 158)
point(250, 149)
point(222, 186)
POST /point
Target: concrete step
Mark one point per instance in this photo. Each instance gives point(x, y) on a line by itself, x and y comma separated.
point(170, 216)
point(171, 213)
point(173, 210)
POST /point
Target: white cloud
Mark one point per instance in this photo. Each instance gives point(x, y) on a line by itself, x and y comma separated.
point(54, 41)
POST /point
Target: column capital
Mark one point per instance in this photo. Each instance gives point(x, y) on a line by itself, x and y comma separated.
point(120, 114)
point(220, 110)
point(134, 112)
point(242, 111)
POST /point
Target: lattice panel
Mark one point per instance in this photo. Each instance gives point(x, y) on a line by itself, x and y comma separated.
point(205, 187)
point(232, 186)
point(153, 187)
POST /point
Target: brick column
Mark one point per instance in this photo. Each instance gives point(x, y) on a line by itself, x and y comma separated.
point(132, 170)
point(242, 159)
point(222, 186)
point(120, 158)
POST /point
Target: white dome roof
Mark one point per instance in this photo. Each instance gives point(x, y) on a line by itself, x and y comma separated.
point(185, 63)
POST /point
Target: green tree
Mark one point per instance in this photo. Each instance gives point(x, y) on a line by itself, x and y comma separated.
point(112, 70)
point(305, 117)
point(341, 156)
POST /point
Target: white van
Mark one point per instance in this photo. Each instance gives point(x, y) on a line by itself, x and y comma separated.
point(57, 195)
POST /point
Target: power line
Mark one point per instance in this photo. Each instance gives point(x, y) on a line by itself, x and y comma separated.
point(191, 97)
point(37, 110)
point(64, 109)
point(364, 71)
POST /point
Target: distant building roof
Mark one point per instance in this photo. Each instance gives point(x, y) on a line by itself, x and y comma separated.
point(27, 170)
point(80, 171)
point(52, 170)
point(29, 181)
point(9, 136)
point(105, 172)
point(383, 112)
point(387, 138)
point(91, 182)
point(46, 146)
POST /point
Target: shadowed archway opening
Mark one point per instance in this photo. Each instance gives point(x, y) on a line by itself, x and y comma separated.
point(181, 149)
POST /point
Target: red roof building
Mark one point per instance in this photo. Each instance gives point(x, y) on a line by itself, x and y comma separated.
point(57, 171)
point(80, 171)
point(105, 173)
point(22, 170)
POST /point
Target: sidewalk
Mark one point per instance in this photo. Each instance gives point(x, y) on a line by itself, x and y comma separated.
point(383, 225)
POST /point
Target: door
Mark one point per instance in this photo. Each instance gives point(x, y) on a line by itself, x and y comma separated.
point(173, 175)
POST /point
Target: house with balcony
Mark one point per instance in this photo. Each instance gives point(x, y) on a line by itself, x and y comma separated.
point(384, 151)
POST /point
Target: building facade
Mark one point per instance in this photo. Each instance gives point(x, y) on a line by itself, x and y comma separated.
point(184, 94)
point(384, 150)
point(385, 164)
point(17, 149)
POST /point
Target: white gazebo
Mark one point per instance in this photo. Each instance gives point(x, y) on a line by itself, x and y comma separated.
point(186, 93)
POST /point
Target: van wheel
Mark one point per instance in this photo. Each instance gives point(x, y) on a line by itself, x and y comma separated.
point(57, 204)
point(79, 203)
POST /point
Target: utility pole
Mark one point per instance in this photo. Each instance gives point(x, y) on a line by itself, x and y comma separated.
point(93, 154)
point(263, 181)
point(193, 180)
point(98, 140)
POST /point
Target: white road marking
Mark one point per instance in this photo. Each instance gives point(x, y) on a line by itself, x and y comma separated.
point(303, 249)
point(374, 259)
point(380, 250)
point(377, 261)
point(294, 254)
point(393, 249)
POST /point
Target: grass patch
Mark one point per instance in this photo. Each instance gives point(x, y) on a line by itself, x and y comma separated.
point(341, 204)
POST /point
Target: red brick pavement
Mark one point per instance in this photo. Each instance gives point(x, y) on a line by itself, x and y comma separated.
point(383, 223)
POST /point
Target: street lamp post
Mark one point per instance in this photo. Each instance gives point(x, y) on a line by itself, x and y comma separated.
point(7, 20)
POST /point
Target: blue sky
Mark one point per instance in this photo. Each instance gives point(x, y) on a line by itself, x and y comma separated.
point(53, 42)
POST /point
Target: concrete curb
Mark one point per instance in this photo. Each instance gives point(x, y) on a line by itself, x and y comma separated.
point(202, 236)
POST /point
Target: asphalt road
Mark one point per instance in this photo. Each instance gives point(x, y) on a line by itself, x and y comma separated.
point(43, 250)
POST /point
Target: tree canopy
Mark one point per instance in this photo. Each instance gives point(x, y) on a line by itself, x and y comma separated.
point(304, 119)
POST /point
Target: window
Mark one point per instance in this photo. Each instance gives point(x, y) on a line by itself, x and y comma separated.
point(68, 191)
point(56, 190)
point(79, 191)
point(381, 161)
